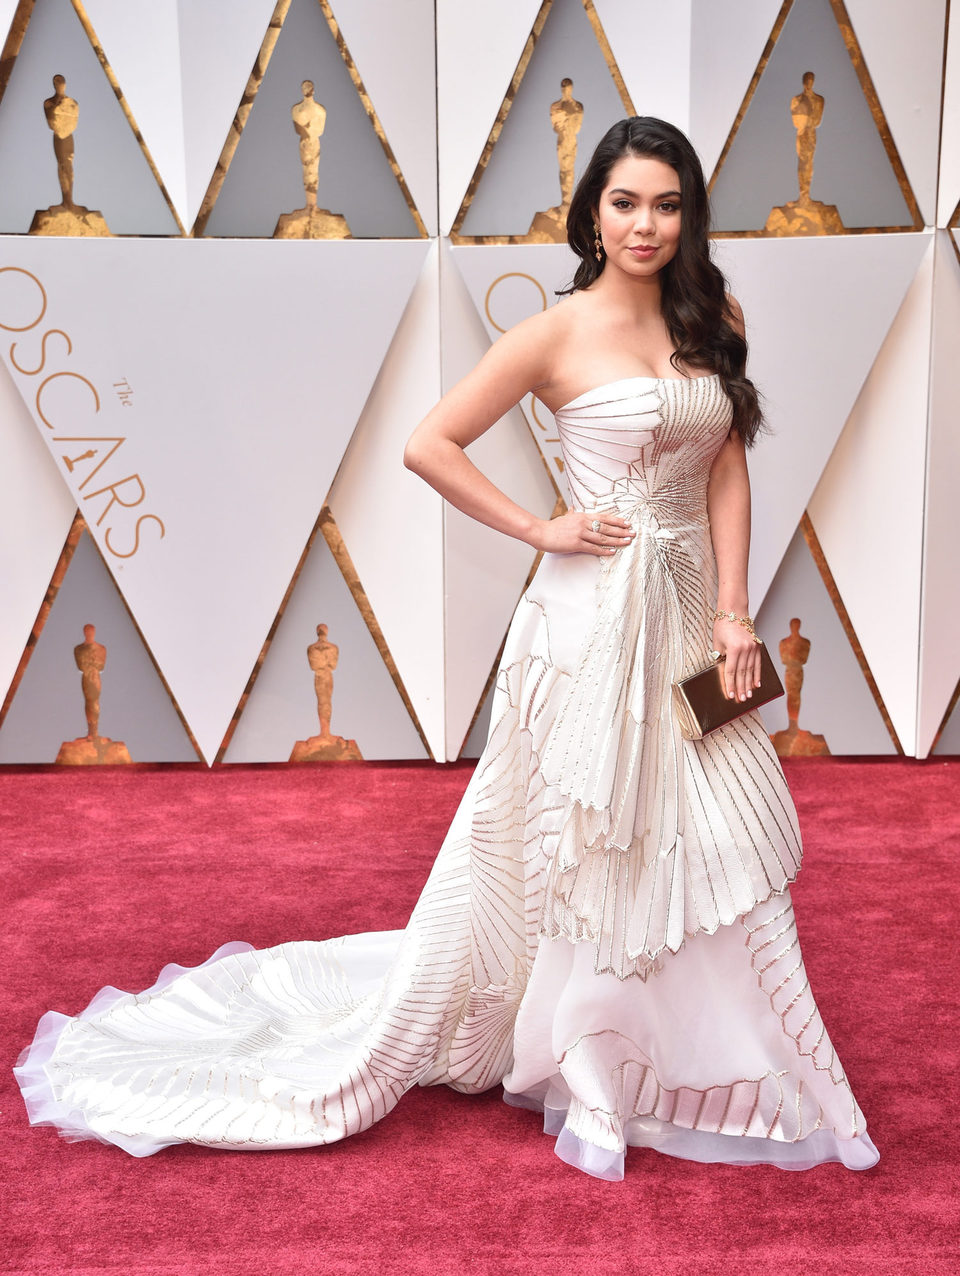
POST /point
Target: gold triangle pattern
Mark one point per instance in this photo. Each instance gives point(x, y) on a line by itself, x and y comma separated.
point(56, 580)
point(11, 47)
point(11, 50)
point(274, 28)
point(946, 718)
point(77, 529)
point(114, 84)
point(326, 526)
point(508, 100)
point(818, 556)
point(876, 110)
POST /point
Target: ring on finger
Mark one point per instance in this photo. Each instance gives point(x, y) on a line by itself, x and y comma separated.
point(595, 525)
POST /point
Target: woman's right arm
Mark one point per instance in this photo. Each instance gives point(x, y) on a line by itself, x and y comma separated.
point(513, 366)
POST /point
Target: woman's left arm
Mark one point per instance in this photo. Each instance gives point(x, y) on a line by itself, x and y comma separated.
point(728, 506)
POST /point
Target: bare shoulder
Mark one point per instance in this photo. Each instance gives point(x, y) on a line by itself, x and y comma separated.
point(546, 327)
point(534, 342)
point(735, 311)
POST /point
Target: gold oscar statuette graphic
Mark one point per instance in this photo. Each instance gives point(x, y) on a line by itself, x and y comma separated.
point(65, 218)
point(310, 222)
point(794, 743)
point(92, 749)
point(566, 116)
point(323, 656)
point(805, 216)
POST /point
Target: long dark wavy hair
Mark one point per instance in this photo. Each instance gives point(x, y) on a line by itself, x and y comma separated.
point(693, 292)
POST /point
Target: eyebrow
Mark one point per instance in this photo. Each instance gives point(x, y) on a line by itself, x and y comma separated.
point(621, 190)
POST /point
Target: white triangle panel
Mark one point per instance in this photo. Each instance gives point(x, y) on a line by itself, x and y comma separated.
point(477, 54)
point(484, 570)
point(817, 312)
point(726, 43)
point(657, 86)
point(511, 282)
point(390, 520)
point(182, 70)
point(35, 516)
point(868, 506)
point(949, 193)
point(939, 661)
point(230, 401)
point(7, 9)
point(394, 49)
point(902, 47)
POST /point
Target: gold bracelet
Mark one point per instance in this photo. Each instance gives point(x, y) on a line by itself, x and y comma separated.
point(745, 621)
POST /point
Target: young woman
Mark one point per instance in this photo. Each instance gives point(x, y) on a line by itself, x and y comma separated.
point(608, 928)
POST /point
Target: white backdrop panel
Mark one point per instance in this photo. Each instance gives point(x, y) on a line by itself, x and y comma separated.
point(639, 33)
point(868, 506)
point(393, 48)
point(245, 384)
point(817, 312)
point(949, 191)
point(509, 283)
point(939, 659)
point(477, 53)
point(391, 521)
point(35, 516)
point(726, 43)
point(7, 10)
point(902, 47)
point(484, 571)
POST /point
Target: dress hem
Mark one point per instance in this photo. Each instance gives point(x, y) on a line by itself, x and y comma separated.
point(821, 1147)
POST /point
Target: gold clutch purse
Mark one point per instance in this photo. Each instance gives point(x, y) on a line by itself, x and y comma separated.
point(702, 706)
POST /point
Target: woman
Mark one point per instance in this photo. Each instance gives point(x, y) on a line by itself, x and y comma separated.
point(608, 928)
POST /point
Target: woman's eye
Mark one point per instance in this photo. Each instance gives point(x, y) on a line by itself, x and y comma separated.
point(668, 207)
point(621, 203)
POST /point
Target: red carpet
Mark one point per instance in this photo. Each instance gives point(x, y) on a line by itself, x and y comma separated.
point(111, 874)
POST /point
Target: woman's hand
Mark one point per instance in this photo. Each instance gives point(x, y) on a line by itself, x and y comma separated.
point(573, 533)
point(741, 669)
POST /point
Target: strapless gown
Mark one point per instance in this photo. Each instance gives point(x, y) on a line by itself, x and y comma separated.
point(607, 930)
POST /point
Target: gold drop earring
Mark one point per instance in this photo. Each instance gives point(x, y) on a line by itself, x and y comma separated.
point(597, 242)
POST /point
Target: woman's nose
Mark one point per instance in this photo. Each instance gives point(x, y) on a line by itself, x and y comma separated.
point(643, 222)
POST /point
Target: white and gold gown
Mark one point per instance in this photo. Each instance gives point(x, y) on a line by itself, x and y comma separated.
point(607, 930)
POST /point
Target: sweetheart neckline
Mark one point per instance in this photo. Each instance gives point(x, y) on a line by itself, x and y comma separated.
point(607, 385)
